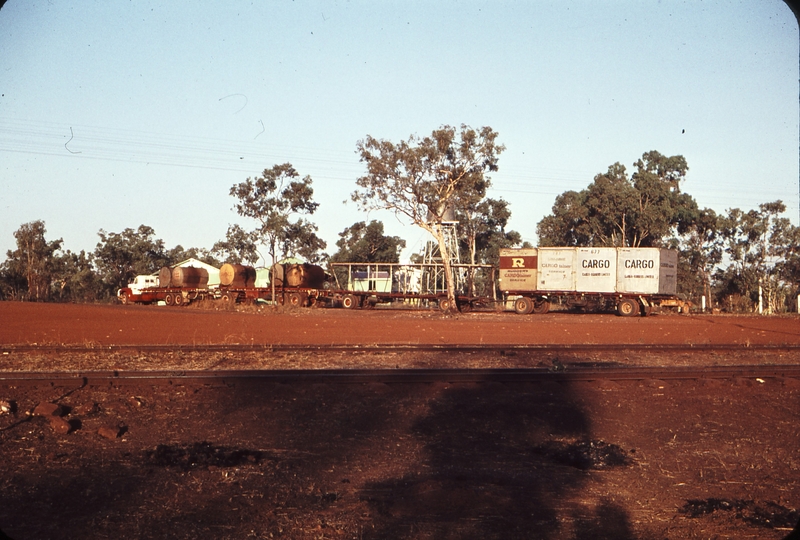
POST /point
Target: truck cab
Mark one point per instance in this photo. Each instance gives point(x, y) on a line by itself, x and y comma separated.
point(135, 289)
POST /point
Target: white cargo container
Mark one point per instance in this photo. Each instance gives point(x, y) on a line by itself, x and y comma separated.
point(596, 270)
point(638, 270)
point(556, 269)
point(630, 281)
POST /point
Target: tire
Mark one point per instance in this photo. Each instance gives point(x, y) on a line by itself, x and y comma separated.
point(466, 307)
point(523, 305)
point(349, 301)
point(628, 307)
point(297, 299)
point(123, 299)
point(179, 300)
point(540, 307)
point(169, 299)
point(444, 304)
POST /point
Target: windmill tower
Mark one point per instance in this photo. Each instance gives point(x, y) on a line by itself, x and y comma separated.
point(433, 278)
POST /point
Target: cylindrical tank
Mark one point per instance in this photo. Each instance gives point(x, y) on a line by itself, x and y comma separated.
point(304, 275)
point(188, 276)
point(164, 276)
point(237, 275)
point(278, 274)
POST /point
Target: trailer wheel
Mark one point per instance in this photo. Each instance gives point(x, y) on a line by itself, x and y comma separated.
point(169, 299)
point(540, 307)
point(349, 301)
point(465, 307)
point(179, 299)
point(297, 300)
point(628, 307)
point(444, 304)
point(523, 305)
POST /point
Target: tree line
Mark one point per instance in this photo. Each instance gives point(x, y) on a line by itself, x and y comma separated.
point(734, 260)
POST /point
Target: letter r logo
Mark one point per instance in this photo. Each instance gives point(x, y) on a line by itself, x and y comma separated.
point(517, 263)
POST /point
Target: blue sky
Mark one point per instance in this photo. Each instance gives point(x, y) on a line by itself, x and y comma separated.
point(115, 114)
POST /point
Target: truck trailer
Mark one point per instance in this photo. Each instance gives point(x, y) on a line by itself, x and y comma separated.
point(630, 281)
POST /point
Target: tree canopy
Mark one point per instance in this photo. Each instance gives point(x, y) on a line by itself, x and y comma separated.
point(644, 209)
point(30, 268)
point(362, 242)
point(425, 179)
point(277, 200)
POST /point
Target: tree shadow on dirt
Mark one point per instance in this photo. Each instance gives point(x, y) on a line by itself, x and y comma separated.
point(501, 461)
point(463, 461)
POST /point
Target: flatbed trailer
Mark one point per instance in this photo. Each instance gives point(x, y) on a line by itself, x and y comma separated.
point(353, 286)
point(628, 281)
point(171, 296)
point(626, 305)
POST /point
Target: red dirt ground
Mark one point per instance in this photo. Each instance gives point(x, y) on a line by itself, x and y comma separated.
point(98, 325)
point(622, 460)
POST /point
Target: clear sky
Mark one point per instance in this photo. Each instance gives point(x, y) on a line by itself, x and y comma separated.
point(115, 114)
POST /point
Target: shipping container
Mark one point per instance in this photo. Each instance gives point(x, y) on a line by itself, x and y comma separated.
point(629, 281)
point(596, 269)
point(518, 269)
point(557, 269)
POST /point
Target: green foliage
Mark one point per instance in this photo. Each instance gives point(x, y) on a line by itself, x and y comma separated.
point(239, 246)
point(482, 228)
point(119, 257)
point(75, 279)
point(425, 179)
point(762, 250)
point(700, 251)
point(28, 271)
point(276, 200)
point(363, 242)
point(615, 210)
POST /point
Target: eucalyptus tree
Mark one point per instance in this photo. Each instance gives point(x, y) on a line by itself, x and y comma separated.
point(640, 210)
point(32, 261)
point(238, 247)
point(367, 243)
point(277, 200)
point(119, 257)
point(762, 250)
point(425, 179)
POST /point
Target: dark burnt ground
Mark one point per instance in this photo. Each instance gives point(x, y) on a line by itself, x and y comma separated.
point(622, 460)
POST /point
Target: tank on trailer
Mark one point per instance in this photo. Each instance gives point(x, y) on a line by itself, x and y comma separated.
point(304, 276)
point(164, 276)
point(237, 275)
point(189, 277)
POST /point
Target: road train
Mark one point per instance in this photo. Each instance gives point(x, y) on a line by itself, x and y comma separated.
point(628, 281)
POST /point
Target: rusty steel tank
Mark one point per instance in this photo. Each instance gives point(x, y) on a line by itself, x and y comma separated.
point(304, 275)
point(237, 275)
point(189, 276)
point(164, 276)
